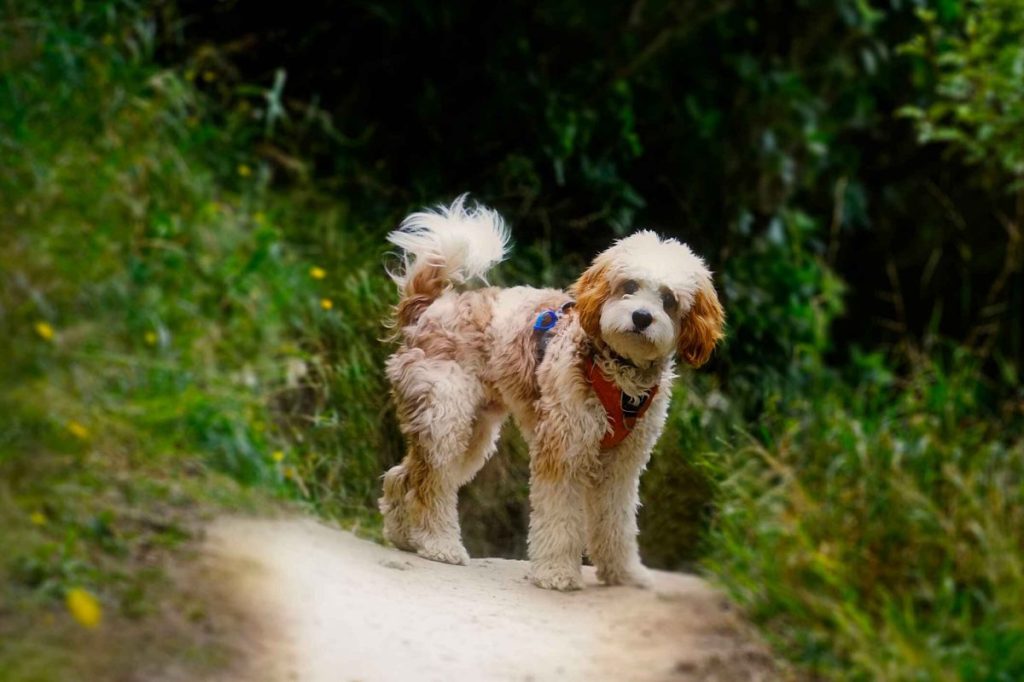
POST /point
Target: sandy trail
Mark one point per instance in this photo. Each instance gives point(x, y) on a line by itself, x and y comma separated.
point(334, 608)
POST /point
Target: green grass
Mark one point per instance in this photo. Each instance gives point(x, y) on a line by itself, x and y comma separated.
point(879, 534)
point(182, 338)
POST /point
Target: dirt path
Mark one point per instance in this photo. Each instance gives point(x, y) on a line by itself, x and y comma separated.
point(335, 608)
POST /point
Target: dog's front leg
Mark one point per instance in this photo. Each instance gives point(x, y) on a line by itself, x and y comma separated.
point(557, 530)
point(611, 506)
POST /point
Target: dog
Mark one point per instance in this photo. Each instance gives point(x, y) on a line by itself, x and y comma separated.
point(587, 375)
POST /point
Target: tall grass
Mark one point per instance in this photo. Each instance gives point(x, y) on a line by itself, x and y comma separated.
point(879, 533)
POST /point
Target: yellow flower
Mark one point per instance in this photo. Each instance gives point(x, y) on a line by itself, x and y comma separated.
point(277, 455)
point(317, 273)
point(77, 430)
point(209, 76)
point(244, 170)
point(84, 607)
point(38, 518)
point(44, 330)
point(150, 338)
point(259, 217)
point(108, 39)
point(290, 472)
point(326, 303)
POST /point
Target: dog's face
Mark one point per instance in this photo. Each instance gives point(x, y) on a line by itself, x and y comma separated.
point(646, 297)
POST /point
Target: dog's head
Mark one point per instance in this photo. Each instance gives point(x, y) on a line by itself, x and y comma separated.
point(646, 296)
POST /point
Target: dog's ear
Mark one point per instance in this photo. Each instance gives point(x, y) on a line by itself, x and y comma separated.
point(702, 327)
point(591, 291)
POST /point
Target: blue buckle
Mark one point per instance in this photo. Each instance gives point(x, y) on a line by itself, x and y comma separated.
point(546, 320)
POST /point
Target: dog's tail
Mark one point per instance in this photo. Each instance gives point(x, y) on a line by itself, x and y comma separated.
point(442, 248)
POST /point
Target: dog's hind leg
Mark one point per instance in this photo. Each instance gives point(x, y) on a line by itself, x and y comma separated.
point(392, 507)
point(440, 410)
point(420, 508)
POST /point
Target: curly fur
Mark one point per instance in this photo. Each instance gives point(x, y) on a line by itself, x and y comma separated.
point(467, 360)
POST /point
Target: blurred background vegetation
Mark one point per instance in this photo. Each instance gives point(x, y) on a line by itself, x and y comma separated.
point(194, 201)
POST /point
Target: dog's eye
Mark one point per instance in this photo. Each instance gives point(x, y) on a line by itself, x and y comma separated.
point(669, 301)
point(630, 287)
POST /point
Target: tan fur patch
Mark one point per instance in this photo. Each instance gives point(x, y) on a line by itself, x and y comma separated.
point(702, 328)
point(591, 291)
point(423, 287)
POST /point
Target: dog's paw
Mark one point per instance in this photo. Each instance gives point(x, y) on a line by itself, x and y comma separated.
point(634, 576)
point(448, 553)
point(558, 578)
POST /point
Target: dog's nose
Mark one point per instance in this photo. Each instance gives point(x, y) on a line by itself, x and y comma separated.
point(642, 319)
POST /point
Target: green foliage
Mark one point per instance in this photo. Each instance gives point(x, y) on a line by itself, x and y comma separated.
point(783, 299)
point(973, 59)
point(969, 63)
point(878, 533)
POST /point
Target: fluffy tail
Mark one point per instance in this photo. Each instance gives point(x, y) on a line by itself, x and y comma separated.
point(441, 248)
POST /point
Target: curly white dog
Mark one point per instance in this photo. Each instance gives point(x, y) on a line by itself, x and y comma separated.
point(587, 377)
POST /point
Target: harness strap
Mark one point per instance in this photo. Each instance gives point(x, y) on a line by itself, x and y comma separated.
point(622, 413)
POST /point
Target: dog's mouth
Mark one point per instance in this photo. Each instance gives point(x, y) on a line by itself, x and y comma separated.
point(640, 334)
point(635, 341)
point(634, 334)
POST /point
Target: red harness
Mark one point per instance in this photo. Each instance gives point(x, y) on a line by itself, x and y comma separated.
point(622, 414)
